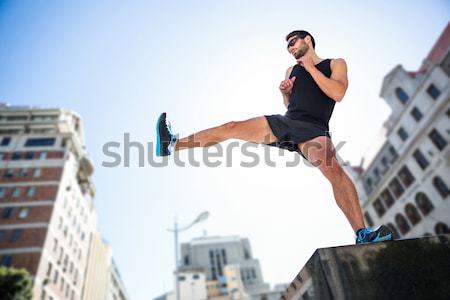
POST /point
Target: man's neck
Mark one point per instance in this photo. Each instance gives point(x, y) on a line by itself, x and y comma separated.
point(316, 59)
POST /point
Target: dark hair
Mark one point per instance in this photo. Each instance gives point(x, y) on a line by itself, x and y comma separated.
point(302, 34)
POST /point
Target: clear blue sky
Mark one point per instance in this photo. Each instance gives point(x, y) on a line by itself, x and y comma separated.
point(120, 63)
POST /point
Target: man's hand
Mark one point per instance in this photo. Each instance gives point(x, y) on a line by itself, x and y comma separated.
point(287, 85)
point(306, 61)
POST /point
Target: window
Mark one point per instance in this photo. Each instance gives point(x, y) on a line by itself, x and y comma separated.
point(49, 269)
point(2, 192)
point(67, 290)
point(6, 260)
point(396, 235)
point(377, 173)
point(424, 203)
point(224, 256)
point(384, 161)
point(402, 224)
point(446, 64)
point(441, 187)
point(196, 276)
point(29, 155)
point(9, 173)
point(420, 159)
point(402, 133)
point(16, 156)
point(379, 208)
point(31, 191)
point(55, 277)
point(16, 192)
point(412, 214)
point(437, 139)
point(416, 114)
point(23, 213)
point(39, 142)
point(393, 153)
point(406, 176)
point(369, 183)
point(43, 155)
point(2, 235)
point(433, 91)
point(16, 118)
point(55, 245)
point(37, 172)
point(401, 95)
point(23, 172)
point(396, 187)
point(16, 234)
point(441, 228)
point(7, 212)
point(5, 141)
point(387, 198)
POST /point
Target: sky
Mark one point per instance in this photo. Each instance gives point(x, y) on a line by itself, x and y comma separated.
point(119, 64)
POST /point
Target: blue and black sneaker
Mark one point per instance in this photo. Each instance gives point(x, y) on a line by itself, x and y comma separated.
point(367, 235)
point(165, 139)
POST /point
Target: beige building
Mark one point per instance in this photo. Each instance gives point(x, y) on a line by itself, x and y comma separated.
point(96, 273)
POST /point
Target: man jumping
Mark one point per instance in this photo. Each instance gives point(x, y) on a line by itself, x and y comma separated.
point(310, 90)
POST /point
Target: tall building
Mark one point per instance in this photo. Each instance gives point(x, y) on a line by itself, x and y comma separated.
point(47, 217)
point(220, 255)
point(406, 183)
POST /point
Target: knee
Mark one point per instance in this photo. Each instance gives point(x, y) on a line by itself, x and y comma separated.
point(332, 172)
point(229, 126)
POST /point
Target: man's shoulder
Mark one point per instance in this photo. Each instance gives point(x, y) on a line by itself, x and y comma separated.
point(337, 62)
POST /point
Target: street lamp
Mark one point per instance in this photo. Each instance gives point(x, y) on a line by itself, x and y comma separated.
point(201, 217)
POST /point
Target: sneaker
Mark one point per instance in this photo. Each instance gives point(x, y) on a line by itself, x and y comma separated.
point(367, 235)
point(165, 139)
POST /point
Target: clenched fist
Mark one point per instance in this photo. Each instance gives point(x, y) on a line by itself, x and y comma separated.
point(286, 86)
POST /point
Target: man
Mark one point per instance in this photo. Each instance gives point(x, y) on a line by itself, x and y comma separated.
point(310, 90)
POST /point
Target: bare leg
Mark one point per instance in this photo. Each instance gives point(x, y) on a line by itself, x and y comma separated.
point(321, 153)
point(256, 130)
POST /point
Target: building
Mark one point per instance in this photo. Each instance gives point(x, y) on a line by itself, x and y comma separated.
point(115, 286)
point(406, 184)
point(97, 276)
point(218, 256)
point(102, 276)
point(47, 219)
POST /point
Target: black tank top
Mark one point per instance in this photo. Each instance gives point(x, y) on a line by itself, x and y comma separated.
point(307, 101)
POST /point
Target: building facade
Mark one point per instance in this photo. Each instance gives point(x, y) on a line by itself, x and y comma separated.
point(219, 256)
point(46, 199)
point(406, 184)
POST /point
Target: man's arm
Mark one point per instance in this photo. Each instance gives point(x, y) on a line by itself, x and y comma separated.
point(335, 86)
point(287, 95)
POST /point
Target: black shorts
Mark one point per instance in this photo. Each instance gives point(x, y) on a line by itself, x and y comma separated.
point(291, 132)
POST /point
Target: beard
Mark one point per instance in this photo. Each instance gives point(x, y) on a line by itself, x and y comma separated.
point(301, 50)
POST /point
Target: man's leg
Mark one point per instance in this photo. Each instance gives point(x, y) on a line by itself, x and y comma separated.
point(256, 130)
point(321, 153)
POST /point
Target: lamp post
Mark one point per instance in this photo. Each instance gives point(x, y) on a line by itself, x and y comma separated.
point(201, 217)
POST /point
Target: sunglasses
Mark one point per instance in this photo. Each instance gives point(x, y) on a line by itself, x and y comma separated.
point(292, 42)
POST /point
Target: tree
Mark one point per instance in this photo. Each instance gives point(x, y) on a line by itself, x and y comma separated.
point(15, 284)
